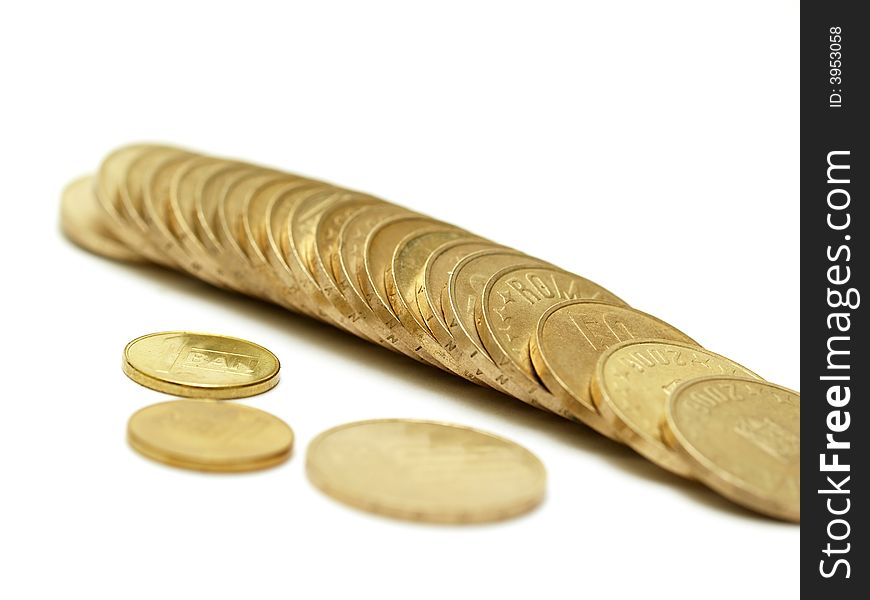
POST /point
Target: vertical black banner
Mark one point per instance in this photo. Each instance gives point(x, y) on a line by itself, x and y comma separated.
point(835, 223)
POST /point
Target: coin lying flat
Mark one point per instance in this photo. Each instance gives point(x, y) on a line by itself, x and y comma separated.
point(200, 365)
point(210, 436)
point(631, 385)
point(743, 439)
point(426, 471)
point(571, 336)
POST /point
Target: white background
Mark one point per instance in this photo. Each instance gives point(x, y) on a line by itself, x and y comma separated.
point(650, 146)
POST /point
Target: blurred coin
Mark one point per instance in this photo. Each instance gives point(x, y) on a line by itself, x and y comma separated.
point(426, 471)
point(743, 439)
point(210, 436)
point(200, 365)
point(81, 220)
point(110, 179)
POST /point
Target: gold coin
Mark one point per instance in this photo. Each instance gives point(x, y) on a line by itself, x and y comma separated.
point(458, 300)
point(181, 218)
point(378, 250)
point(256, 224)
point(276, 215)
point(200, 365)
point(132, 194)
point(210, 436)
point(157, 189)
point(225, 187)
point(209, 193)
point(325, 247)
point(81, 220)
point(347, 263)
point(426, 471)
point(571, 336)
point(229, 230)
point(743, 439)
point(110, 179)
point(297, 237)
point(436, 273)
point(507, 315)
point(301, 243)
point(402, 280)
point(631, 385)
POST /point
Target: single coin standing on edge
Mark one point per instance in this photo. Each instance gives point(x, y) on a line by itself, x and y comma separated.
point(425, 471)
point(631, 385)
point(200, 365)
point(742, 438)
point(205, 435)
point(571, 336)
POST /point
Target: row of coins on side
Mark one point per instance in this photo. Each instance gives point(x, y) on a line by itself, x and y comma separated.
point(416, 285)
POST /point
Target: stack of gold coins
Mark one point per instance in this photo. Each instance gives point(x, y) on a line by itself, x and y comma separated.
point(448, 298)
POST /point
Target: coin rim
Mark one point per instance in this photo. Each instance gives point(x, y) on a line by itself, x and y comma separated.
point(91, 236)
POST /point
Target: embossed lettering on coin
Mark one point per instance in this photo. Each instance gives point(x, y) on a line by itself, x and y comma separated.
point(743, 439)
point(571, 336)
point(200, 365)
point(631, 386)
